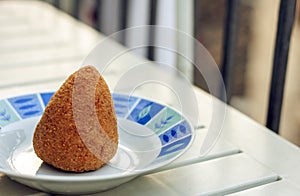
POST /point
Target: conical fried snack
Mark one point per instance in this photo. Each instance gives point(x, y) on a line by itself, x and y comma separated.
point(78, 130)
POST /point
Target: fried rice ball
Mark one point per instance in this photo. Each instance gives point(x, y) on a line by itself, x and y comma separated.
point(78, 129)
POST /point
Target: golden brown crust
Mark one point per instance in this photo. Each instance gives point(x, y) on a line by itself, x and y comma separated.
point(78, 130)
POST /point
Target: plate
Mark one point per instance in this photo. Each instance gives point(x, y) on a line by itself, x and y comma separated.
point(151, 135)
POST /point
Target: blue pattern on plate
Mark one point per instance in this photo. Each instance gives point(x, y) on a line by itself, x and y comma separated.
point(179, 131)
point(123, 104)
point(27, 106)
point(46, 97)
point(164, 120)
point(7, 115)
point(144, 111)
point(173, 137)
point(175, 146)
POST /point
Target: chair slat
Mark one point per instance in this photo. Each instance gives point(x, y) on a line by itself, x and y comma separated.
point(284, 29)
point(229, 46)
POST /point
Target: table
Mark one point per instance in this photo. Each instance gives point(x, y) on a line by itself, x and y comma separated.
point(37, 40)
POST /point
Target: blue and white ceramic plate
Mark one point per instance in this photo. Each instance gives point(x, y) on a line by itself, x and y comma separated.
point(151, 135)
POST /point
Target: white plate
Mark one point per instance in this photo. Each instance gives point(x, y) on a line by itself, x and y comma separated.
point(151, 135)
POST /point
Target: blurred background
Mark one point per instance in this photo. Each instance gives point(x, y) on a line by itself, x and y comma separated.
point(205, 20)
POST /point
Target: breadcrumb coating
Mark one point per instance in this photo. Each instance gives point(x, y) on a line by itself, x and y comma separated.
point(78, 129)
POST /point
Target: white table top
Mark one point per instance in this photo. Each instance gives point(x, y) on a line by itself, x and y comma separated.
point(248, 159)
